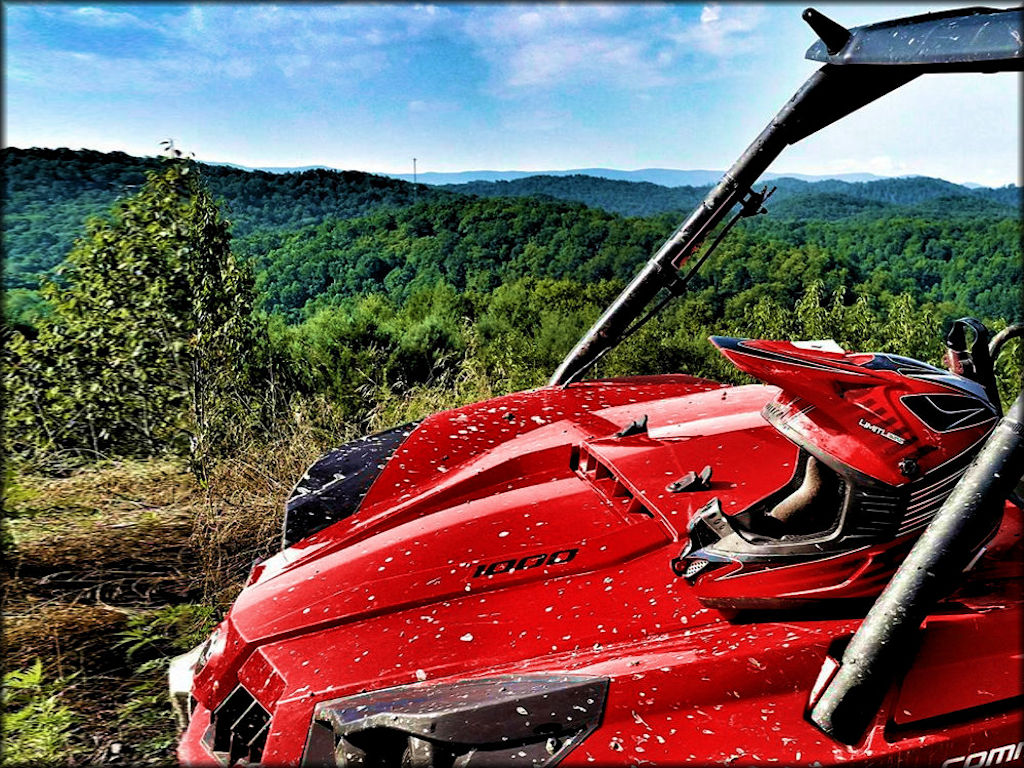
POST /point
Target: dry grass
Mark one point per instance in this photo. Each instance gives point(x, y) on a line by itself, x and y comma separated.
point(68, 637)
point(111, 487)
point(467, 381)
point(119, 533)
point(244, 513)
point(90, 555)
point(110, 553)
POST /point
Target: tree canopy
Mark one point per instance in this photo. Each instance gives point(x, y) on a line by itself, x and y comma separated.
point(151, 333)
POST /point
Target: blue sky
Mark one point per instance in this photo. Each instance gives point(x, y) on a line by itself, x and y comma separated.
point(466, 86)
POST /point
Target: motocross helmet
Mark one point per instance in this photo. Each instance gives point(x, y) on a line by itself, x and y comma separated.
point(882, 441)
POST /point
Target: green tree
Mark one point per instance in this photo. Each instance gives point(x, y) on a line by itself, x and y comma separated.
point(152, 343)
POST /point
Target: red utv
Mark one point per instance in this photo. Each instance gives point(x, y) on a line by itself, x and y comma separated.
point(664, 570)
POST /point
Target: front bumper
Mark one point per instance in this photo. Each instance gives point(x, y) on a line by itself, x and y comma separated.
point(179, 680)
point(192, 751)
point(535, 719)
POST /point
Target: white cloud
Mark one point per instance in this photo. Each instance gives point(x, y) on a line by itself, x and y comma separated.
point(293, 64)
point(99, 17)
point(236, 69)
point(622, 46)
point(198, 44)
point(710, 14)
point(722, 31)
point(196, 20)
point(86, 72)
point(550, 46)
point(432, 107)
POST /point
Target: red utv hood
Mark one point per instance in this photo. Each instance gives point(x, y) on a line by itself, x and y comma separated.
point(489, 502)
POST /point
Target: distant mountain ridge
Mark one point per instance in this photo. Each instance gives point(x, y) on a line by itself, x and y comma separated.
point(793, 198)
point(665, 177)
point(649, 191)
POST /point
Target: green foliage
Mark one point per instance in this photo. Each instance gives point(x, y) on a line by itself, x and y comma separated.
point(149, 641)
point(1009, 368)
point(967, 265)
point(146, 719)
point(319, 236)
point(963, 265)
point(151, 341)
point(383, 362)
point(37, 724)
point(469, 244)
point(166, 631)
point(527, 326)
point(15, 494)
point(24, 309)
point(676, 341)
point(49, 193)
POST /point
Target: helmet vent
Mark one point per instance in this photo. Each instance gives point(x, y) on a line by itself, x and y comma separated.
point(694, 567)
point(878, 511)
point(925, 502)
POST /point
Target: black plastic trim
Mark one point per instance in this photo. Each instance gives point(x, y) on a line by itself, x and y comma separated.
point(334, 486)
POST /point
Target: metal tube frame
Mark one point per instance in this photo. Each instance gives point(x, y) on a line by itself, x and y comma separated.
point(828, 95)
point(883, 645)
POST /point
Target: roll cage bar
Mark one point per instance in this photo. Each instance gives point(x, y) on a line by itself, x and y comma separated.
point(860, 65)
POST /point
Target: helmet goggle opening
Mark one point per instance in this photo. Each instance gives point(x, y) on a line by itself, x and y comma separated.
point(809, 505)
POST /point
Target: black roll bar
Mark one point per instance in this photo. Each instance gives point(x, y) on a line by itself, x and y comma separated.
point(862, 64)
point(883, 645)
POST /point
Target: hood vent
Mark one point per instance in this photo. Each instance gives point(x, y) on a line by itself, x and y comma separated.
point(238, 729)
point(600, 475)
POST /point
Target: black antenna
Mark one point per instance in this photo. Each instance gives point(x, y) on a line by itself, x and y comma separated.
point(832, 34)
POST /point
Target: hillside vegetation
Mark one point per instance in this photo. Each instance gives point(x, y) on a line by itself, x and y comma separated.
point(793, 198)
point(394, 287)
point(172, 366)
point(50, 193)
point(961, 263)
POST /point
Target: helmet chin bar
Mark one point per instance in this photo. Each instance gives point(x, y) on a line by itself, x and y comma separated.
point(794, 522)
point(811, 507)
point(811, 504)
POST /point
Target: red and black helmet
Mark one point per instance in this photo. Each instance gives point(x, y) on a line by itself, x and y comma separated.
point(882, 442)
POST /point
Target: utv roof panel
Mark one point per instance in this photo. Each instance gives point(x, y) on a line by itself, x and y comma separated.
point(969, 39)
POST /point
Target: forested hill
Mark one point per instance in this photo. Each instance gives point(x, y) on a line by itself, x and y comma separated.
point(49, 193)
point(793, 198)
point(968, 264)
point(344, 233)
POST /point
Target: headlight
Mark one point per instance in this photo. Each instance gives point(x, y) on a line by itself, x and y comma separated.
point(184, 668)
point(214, 645)
point(525, 720)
